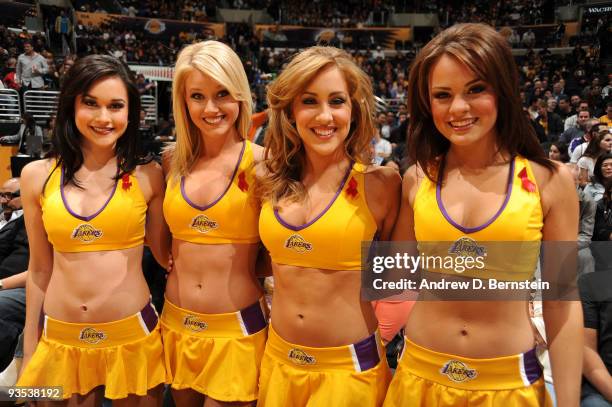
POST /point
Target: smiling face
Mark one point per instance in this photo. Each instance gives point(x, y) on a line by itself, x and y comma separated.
point(101, 113)
point(463, 107)
point(322, 113)
point(211, 107)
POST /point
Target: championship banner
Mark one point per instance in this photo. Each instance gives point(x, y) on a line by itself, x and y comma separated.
point(292, 36)
point(154, 27)
point(154, 73)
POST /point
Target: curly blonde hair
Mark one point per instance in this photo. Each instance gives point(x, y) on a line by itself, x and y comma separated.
point(284, 151)
point(221, 63)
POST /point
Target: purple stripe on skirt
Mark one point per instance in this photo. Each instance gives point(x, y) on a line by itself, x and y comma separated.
point(149, 316)
point(532, 367)
point(253, 318)
point(367, 353)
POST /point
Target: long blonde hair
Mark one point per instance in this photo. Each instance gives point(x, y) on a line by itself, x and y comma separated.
point(284, 151)
point(221, 63)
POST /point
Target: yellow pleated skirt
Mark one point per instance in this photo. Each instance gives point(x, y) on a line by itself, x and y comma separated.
point(218, 355)
point(125, 356)
point(426, 378)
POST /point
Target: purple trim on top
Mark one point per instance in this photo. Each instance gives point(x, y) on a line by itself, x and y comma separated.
point(149, 316)
point(210, 205)
point(367, 353)
point(477, 228)
point(532, 367)
point(253, 318)
point(304, 226)
point(85, 218)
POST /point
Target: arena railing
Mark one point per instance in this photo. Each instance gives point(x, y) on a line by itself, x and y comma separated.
point(10, 108)
point(149, 105)
point(41, 104)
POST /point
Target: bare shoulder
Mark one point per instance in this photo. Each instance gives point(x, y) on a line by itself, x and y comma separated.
point(555, 186)
point(413, 176)
point(258, 152)
point(151, 172)
point(382, 178)
point(35, 173)
point(547, 179)
point(166, 159)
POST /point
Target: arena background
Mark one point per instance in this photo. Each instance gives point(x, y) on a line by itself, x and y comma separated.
point(562, 49)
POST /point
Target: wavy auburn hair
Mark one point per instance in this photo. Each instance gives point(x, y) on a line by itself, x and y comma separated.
point(487, 54)
point(220, 62)
point(284, 152)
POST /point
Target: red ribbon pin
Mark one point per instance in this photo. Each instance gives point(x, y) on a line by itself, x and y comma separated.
point(528, 185)
point(352, 188)
point(242, 182)
point(125, 182)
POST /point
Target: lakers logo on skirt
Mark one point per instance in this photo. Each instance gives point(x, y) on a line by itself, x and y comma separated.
point(194, 323)
point(299, 357)
point(467, 247)
point(86, 233)
point(458, 371)
point(203, 224)
point(91, 336)
point(298, 243)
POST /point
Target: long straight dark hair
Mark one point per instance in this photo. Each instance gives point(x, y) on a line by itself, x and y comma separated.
point(488, 55)
point(66, 138)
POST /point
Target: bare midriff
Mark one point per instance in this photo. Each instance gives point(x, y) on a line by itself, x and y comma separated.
point(213, 278)
point(320, 308)
point(463, 328)
point(102, 286)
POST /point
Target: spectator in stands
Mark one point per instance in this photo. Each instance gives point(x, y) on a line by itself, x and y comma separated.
point(529, 39)
point(9, 80)
point(580, 145)
point(587, 207)
point(558, 152)
point(382, 148)
point(600, 144)
point(602, 177)
point(14, 256)
point(550, 122)
point(31, 66)
point(607, 118)
point(29, 137)
point(603, 218)
point(564, 109)
point(383, 125)
point(572, 121)
point(576, 132)
point(596, 296)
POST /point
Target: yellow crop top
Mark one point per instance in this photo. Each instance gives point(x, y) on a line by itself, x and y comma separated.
point(118, 224)
point(516, 228)
point(231, 218)
point(332, 240)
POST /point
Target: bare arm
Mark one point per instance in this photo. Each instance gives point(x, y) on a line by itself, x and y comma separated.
point(593, 367)
point(151, 179)
point(40, 265)
point(563, 319)
point(15, 281)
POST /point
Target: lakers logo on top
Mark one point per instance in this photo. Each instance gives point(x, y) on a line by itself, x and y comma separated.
point(194, 323)
point(298, 243)
point(467, 247)
point(299, 357)
point(458, 371)
point(203, 224)
point(90, 335)
point(86, 233)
